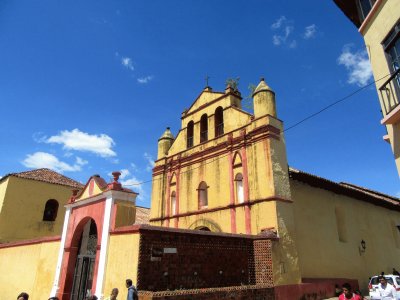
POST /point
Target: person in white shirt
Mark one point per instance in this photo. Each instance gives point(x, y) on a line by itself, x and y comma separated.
point(386, 290)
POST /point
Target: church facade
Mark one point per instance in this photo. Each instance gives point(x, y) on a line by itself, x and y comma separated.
point(227, 171)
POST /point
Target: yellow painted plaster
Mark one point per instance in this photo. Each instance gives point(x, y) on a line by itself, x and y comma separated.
point(316, 228)
point(24, 201)
point(122, 263)
point(29, 269)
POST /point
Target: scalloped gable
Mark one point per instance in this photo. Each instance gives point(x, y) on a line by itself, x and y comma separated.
point(204, 98)
point(95, 186)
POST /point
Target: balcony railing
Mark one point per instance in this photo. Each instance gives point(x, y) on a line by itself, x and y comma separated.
point(390, 92)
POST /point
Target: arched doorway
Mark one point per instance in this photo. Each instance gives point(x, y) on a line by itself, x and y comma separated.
point(85, 262)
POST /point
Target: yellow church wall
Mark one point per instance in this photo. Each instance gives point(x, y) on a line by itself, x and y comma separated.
point(216, 221)
point(268, 180)
point(27, 198)
point(378, 28)
point(3, 189)
point(204, 97)
point(240, 220)
point(31, 269)
point(122, 263)
point(316, 228)
point(237, 119)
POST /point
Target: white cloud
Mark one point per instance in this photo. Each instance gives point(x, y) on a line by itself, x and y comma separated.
point(278, 23)
point(310, 32)
point(150, 161)
point(135, 184)
point(127, 63)
point(39, 137)
point(357, 64)
point(80, 161)
point(124, 173)
point(82, 141)
point(47, 160)
point(146, 79)
point(284, 29)
point(134, 167)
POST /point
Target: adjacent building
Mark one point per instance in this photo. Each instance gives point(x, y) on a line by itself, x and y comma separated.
point(32, 204)
point(378, 21)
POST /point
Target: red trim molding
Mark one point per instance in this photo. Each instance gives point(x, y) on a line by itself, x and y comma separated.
point(47, 239)
point(232, 193)
point(219, 208)
point(256, 135)
point(370, 16)
point(126, 229)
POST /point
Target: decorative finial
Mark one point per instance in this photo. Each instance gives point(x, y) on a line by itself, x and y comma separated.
point(116, 175)
point(73, 197)
point(168, 128)
point(262, 79)
point(115, 185)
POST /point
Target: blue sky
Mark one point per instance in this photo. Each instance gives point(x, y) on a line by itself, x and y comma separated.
point(88, 87)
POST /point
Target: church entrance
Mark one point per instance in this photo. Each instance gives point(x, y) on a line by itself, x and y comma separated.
point(85, 261)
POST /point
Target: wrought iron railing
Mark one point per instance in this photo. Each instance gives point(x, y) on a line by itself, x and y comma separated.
point(390, 92)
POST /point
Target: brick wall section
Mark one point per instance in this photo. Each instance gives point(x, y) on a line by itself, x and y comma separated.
point(263, 262)
point(172, 259)
point(232, 293)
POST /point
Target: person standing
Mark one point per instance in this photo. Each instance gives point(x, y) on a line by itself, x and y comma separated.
point(348, 293)
point(114, 294)
point(386, 290)
point(23, 296)
point(132, 292)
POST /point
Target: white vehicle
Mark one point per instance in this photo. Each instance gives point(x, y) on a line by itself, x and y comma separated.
point(374, 283)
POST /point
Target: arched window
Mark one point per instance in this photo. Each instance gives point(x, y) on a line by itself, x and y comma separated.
point(189, 141)
point(203, 199)
point(173, 203)
point(203, 128)
point(50, 210)
point(219, 121)
point(239, 188)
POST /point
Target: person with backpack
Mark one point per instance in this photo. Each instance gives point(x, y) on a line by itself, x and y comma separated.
point(132, 292)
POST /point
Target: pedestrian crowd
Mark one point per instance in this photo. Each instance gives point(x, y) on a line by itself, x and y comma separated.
point(132, 293)
point(385, 290)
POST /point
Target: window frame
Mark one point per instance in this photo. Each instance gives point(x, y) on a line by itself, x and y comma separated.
point(202, 196)
point(52, 206)
point(204, 128)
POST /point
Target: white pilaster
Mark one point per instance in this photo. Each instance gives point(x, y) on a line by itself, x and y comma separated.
point(60, 253)
point(104, 246)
